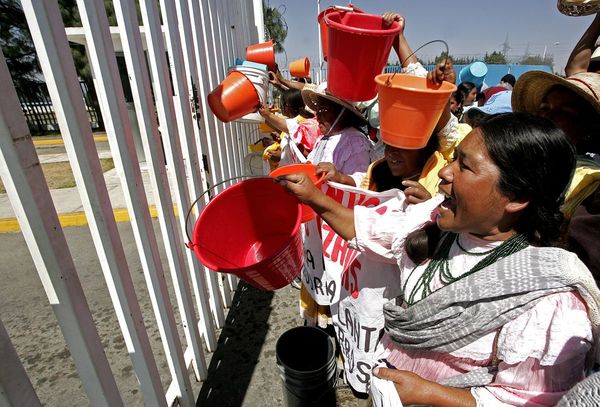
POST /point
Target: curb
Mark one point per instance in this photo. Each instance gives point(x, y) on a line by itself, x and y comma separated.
point(8, 225)
point(60, 141)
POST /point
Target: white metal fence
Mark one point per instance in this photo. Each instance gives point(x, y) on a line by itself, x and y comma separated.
point(190, 44)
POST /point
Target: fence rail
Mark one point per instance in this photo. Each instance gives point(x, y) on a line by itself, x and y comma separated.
point(39, 111)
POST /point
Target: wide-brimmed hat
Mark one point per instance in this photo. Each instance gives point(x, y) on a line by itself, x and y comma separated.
point(532, 86)
point(311, 100)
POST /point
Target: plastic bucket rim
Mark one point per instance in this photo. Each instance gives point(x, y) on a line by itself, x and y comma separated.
point(317, 183)
point(211, 265)
point(332, 9)
point(330, 347)
point(393, 30)
point(241, 68)
point(379, 79)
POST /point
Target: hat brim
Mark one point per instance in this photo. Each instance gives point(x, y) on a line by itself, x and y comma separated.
point(531, 87)
point(311, 100)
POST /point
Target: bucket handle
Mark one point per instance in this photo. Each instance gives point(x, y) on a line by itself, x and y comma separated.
point(190, 244)
point(388, 82)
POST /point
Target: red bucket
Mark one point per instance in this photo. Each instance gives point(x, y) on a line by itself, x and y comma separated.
point(311, 171)
point(359, 47)
point(252, 230)
point(323, 26)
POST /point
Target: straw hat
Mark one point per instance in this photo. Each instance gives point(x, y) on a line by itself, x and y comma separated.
point(532, 86)
point(311, 100)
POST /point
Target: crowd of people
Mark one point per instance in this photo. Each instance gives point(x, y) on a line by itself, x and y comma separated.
point(484, 259)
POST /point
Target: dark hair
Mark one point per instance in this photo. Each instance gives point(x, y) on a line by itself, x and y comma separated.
point(465, 88)
point(536, 162)
point(292, 98)
point(480, 97)
point(458, 96)
point(474, 117)
point(509, 78)
point(302, 80)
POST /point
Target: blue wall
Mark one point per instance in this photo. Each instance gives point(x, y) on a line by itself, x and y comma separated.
point(495, 72)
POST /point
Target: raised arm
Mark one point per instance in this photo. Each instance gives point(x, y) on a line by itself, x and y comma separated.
point(276, 79)
point(579, 60)
point(340, 218)
point(444, 71)
point(278, 122)
point(400, 44)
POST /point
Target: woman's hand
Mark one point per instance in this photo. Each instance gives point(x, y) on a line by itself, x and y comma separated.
point(264, 111)
point(276, 79)
point(413, 389)
point(444, 71)
point(301, 186)
point(274, 155)
point(415, 192)
point(330, 172)
point(390, 16)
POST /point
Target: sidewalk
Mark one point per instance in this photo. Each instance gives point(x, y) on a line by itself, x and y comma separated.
point(67, 200)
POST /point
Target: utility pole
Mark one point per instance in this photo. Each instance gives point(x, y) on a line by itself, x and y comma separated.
point(320, 44)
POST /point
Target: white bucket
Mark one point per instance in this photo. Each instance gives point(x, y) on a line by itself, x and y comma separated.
point(260, 79)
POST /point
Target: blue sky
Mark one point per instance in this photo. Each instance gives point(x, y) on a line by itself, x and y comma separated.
point(469, 27)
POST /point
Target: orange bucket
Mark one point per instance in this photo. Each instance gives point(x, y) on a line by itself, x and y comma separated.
point(235, 97)
point(308, 169)
point(300, 68)
point(262, 53)
point(409, 108)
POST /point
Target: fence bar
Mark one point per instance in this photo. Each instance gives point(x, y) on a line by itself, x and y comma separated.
point(110, 91)
point(31, 200)
point(16, 389)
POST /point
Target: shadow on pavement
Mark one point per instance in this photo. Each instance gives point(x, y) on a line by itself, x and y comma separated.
point(240, 343)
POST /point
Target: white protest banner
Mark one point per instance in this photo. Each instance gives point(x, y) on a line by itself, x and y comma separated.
point(362, 286)
point(326, 254)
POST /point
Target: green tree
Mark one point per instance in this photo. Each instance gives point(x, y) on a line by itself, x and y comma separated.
point(537, 60)
point(495, 58)
point(17, 46)
point(275, 26)
point(463, 60)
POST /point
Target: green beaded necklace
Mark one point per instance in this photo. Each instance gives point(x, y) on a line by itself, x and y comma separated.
point(439, 264)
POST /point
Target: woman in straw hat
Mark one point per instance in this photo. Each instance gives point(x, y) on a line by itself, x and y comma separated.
point(343, 143)
point(489, 314)
point(573, 105)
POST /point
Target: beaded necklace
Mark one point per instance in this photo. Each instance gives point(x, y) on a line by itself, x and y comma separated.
point(439, 264)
